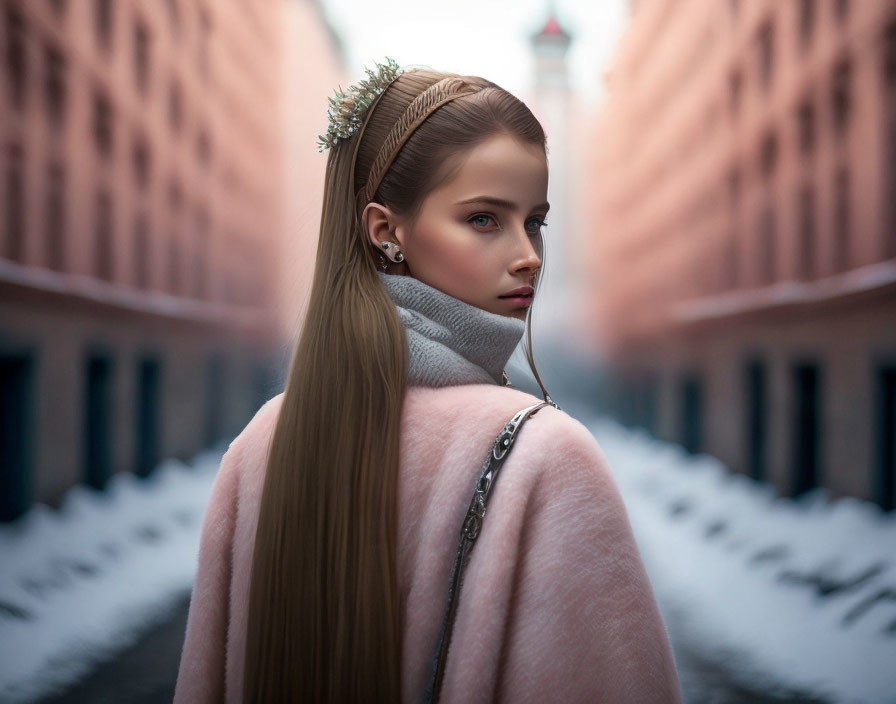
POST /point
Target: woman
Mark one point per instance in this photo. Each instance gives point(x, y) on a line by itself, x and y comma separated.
point(328, 543)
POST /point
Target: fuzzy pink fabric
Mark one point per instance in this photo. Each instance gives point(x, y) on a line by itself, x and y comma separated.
point(555, 605)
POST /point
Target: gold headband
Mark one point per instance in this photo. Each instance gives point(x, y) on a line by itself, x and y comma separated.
point(418, 110)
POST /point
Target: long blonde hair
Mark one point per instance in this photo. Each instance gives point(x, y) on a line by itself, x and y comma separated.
point(325, 619)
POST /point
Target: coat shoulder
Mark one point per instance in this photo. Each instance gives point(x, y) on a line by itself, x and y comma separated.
point(566, 462)
point(261, 423)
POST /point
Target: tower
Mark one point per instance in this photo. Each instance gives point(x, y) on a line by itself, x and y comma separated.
point(551, 103)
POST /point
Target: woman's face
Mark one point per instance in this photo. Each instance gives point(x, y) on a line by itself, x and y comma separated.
point(477, 235)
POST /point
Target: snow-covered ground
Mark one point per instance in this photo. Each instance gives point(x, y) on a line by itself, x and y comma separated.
point(786, 596)
point(774, 596)
point(79, 584)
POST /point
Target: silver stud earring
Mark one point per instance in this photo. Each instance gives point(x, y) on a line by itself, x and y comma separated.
point(398, 257)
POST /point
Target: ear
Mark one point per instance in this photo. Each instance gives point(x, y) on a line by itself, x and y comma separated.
point(380, 224)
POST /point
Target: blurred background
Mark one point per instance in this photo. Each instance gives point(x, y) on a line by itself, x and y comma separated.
point(719, 304)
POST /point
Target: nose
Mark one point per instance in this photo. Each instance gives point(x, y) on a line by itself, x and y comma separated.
point(528, 257)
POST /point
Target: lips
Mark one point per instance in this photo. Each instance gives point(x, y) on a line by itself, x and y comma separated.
point(521, 292)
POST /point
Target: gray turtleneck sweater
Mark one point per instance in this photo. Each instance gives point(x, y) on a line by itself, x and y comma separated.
point(450, 341)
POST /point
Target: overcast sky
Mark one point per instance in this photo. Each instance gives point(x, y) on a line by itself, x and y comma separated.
point(489, 38)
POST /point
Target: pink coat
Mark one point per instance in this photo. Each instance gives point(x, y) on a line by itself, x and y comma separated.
point(555, 605)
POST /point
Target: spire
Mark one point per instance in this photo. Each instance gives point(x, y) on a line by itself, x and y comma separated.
point(552, 31)
point(550, 45)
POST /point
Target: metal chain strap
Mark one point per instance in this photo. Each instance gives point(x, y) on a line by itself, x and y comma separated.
point(472, 525)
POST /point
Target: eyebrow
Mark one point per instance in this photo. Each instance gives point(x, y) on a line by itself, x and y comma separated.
point(500, 202)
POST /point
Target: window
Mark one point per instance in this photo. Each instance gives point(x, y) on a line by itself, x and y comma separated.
point(731, 254)
point(735, 86)
point(103, 253)
point(841, 10)
point(805, 117)
point(175, 105)
point(767, 240)
point(102, 124)
point(141, 251)
point(54, 87)
point(731, 263)
point(806, 22)
point(173, 14)
point(805, 255)
point(142, 163)
point(173, 264)
point(888, 54)
point(734, 181)
point(175, 198)
point(15, 204)
point(765, 47)
point(841, 220)
point(203, 147)
point(16, 57)
point(175, 203)
point(200, 254)
point(141, 57)
point(840, 94)
point(55, 214)
point(205, 30)
point(102, 20)
point(768, 155)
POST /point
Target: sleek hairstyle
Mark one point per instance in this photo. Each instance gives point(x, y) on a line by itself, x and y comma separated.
point(324, 620)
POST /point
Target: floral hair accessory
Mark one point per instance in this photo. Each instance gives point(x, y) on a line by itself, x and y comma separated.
point(347, 108)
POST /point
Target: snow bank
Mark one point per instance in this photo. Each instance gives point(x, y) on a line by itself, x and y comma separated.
point(785, 595)
point(81, 583)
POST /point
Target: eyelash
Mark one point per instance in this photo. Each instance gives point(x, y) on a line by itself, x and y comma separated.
point(541, 221)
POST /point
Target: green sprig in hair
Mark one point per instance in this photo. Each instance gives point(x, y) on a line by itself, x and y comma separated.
point(347, 108)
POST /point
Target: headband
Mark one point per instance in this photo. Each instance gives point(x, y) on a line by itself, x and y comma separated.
point(349, 111)
point(420, 108)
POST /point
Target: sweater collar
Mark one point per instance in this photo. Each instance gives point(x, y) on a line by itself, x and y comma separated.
point(450, 342)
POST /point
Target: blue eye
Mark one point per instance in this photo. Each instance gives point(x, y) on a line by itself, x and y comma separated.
point(481, 215)
point(539, 223)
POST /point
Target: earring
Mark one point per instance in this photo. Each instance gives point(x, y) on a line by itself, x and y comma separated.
point(398, 257)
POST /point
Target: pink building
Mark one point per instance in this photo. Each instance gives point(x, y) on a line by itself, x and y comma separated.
point(746, 196)
point(141, 230)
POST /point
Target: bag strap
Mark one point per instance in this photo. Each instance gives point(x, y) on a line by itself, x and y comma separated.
point(470, 530)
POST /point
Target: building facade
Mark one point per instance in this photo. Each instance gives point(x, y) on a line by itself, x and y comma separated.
point(141, 149)
point(746, 236)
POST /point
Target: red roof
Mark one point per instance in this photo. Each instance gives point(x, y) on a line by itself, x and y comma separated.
point(552, 28)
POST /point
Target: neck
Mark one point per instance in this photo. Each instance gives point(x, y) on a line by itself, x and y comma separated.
point(450, 341)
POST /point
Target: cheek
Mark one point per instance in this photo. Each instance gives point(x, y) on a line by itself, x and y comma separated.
point(450, 251)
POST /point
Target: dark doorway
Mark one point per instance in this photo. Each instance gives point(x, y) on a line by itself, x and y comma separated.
point(16, 429)
point(648, 401)
point(806, 427)
point(885, 474)
point(214, 397)
point(692, 414)
point(265, 382)
point(755, 381)
point(98, 421)
point(148, 394)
